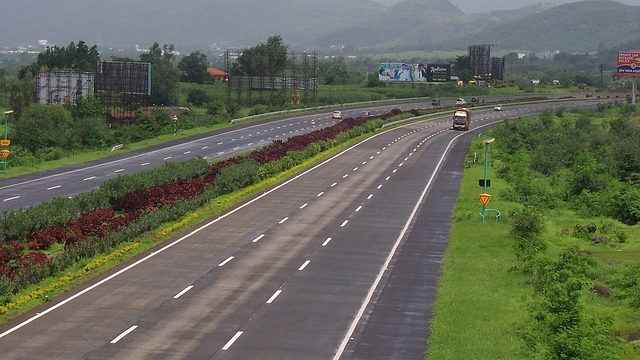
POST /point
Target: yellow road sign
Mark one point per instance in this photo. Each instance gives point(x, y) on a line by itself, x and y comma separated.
point(5, 142)
point(484, 198)
point(4, 153)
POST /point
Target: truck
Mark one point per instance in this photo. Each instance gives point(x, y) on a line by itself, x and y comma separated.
point(461, 119)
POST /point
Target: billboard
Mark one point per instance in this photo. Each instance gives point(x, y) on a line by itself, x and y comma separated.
point(438, 72)
point(414, 72)
point(123, 77)
point(628, 63)
point(57, 87)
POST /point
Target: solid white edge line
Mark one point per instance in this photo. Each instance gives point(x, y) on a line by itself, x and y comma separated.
point(274, 296)
point(367, 299)
point(177, 296)
point(233, 339)
point(125, 333)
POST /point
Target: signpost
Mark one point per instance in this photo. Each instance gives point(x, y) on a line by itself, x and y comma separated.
point(484, 197)
point(629, 65)
point(5, 142)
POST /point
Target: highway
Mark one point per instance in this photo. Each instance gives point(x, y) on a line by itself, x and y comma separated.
point(340, 262)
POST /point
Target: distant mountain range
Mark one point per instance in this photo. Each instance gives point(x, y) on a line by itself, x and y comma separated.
point(316, 25)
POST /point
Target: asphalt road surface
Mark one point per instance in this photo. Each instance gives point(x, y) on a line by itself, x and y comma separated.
point(340, 262)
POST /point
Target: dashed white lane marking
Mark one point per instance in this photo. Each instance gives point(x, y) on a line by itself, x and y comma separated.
point(177, 296)
point(320, 194)
point(369, 197)
point(144, 164)
point(89, 178)
point(334, 184)
point(303, 206)
point(304, 265)
point(166, 158)
point(379, 186)
point(358, 208)
point(344, 223)
point(125, 333)
point(274, 296)
point(233, 339)
point(226, 261)
point(258, 238)
point(283, 220)
point(326, 242)
point(11, 198)
point(54, 187)
point(119, 170)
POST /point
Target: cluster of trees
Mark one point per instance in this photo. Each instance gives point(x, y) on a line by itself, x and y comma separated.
point(592, 166)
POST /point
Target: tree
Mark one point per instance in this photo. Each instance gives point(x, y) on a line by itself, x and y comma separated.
point(194, 67)
point(45, 126)
point(79, 57)
point(268, 59)
point(164, 78)
point(198, 97)
point(338, 70)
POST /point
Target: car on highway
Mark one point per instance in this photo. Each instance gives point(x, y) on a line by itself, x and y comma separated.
point(365, 113)
point(475, 99)
point(435, 102)
point(336, 115)
point(497, 108)
point(460, 101)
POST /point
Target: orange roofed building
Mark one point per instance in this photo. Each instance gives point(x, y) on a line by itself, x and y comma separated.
point(218, 75)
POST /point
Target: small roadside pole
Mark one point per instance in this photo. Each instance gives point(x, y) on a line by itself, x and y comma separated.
point(5, 142)
point(484, 197)
point(175, 124)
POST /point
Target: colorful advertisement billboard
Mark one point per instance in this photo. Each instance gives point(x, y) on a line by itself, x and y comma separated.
point(414, 72)
point(438, 72)
point(628, 63)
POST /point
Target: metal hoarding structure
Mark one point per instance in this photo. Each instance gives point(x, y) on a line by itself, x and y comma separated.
point(296, 76)
point(58, 87)
point(123, 87)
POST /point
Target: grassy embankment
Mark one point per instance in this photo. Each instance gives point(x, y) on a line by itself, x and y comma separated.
point(482, 301)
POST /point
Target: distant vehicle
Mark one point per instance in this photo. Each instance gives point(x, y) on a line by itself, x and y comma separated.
point(460, 101)
point(336, 115)
point(556, 82)
point(475, 99)
point(497, 108)
point(435, 102)
point(312, 122)
point(589, 95)
point(461, 119)
point(365, 113)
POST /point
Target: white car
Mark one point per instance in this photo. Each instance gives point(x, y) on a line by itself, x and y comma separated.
point(336, 115)
point(460, 101)
point(497, 108)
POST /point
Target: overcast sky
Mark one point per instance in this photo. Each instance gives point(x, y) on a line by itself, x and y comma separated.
point(480, 6)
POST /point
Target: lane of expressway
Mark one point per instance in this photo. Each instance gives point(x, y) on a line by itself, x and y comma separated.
point(300, 272)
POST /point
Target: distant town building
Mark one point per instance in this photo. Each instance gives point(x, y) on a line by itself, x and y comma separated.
point(546, 55)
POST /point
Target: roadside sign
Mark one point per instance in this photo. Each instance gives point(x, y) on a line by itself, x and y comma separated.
point(175, 117)
point(5, 142)
point(628, 63)
point(484, 198)
point(482, 182)
point(4, 153)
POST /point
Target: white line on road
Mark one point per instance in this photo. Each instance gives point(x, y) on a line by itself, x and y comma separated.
point(89, 178)
point(345, 176)
point(233, 339)
point(320, 194)
point(283, 220)
point(274, 296)
point(379, 186)
point(387, 178)
point(344, 223)
point(326, 242)
point(187, 152)
point(334, 184)
point(304, 205)
point(166, 158)
point(258, 238)
point(369, 197)
point(358, 208)
point(119, 170)
point(11, 198)
point(54, 187)
point(226, 261)
point(183, 292)
point(144, 164)
point(125, 333)
point(304, 265)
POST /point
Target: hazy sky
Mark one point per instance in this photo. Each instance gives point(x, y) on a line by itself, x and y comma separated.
point(480, 6)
